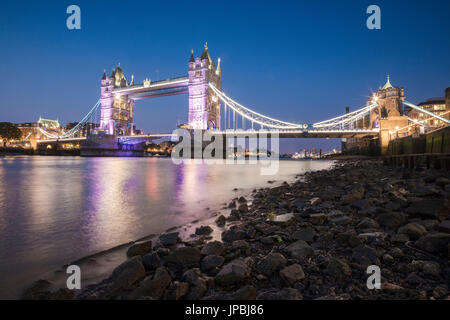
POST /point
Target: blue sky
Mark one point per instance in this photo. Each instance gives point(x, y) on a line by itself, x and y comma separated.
point(301, 61)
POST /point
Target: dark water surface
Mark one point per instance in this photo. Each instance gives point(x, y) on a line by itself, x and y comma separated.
point(54, 210)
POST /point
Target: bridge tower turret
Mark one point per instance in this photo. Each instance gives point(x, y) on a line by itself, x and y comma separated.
point(116, 110)
point(204, 105)
point(106, 102)
point(389, 116)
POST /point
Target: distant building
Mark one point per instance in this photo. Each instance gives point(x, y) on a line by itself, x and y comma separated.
point(438, 106)
point(88, 127)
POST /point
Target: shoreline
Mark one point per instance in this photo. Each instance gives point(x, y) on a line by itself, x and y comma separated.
point(311, 239)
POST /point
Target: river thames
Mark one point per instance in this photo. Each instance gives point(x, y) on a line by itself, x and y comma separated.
point(54, 210)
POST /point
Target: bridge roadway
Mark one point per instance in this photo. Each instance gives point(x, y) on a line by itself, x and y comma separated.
point(355, 133)
point(155, 89)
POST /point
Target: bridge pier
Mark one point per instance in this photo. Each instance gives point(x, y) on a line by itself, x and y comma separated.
point(105, 145)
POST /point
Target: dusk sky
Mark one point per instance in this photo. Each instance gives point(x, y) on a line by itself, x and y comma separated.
point(298, 61)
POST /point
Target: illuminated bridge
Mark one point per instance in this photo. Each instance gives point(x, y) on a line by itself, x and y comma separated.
point(210, 108)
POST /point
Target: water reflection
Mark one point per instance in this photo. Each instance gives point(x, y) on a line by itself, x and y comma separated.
point(57, 209)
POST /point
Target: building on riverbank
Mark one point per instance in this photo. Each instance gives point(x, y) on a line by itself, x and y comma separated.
point(439, 106)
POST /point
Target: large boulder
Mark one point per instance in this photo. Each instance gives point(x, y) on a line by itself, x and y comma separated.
point(168, 239)
point(292, 274)
point(271, 263)
point(152, 287)
point(211, 262)
point(434, 243)
point(299, 249)
point(123, 277)
point(233, 272)
point(139, 249)
point(413, 230)
point(151, 261)
point(214, 247)
point(365, 255)
point(233, 234)
point(184, 257)
point(338, 269)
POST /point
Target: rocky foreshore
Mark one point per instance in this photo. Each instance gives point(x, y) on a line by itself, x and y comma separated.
point(312, 239)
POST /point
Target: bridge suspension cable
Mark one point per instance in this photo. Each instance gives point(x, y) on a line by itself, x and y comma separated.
point(409, 104)
point(272, 123)
point(252, 115)
point(77, 128)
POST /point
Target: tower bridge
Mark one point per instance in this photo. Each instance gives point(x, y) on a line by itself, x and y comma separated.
point(210, 108)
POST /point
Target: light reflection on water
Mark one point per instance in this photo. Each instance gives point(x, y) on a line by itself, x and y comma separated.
point(54, 210)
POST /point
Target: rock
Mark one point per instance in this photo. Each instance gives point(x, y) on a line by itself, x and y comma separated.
point(184, 257)
point(37, 290)
point(413, 230)
point(391, 219)
point(434, 243)
point(445, 226)
point(241, 245)
point(292, 274)
point(152, 287)
point(396, 253)
point(177, 290)
point(211, 262)
point(203, 230)
point(151, 261)
point(368, 223)
point(283, 219)
point(139, 249)
point(243, 208)
point(247, 292)
point(315, 201)
point(338, 269)
point(221, 220)
point(373, 238)
point(242, 200)
point(439, 292)
point(399, 238)
point(365, 255)
point(125, 275)
point(271, 263)
point(168, 239)
point(299, 249)
point(232, 204)
point(233, 272)
point(213, 248)
point(233, 234)
point(306, 234)
point(427, 267)
point(427, 208)
point(284, 294)
point(318, 218)
point(198, 284)
point(341, 220)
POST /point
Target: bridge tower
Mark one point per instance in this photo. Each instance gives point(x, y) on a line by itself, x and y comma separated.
point(389, 116)
point(204, 105)
point(116, 116)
